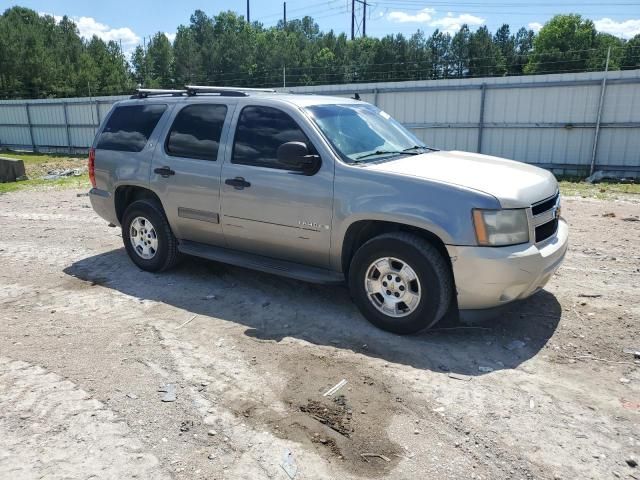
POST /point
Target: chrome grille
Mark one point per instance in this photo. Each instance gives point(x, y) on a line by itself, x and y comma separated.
point(545, 217)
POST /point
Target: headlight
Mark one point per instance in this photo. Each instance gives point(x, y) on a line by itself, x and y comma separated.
point(501, 227)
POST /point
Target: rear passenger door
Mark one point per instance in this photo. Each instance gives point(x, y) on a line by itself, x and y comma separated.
point(186, 170)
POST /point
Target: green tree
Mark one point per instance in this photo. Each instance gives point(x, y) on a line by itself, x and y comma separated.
point(159, 60)
point(631, 56)
point(564, 44)
point(460, 45)
point(485, 57)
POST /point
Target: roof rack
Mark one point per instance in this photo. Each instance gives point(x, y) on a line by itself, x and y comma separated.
point(147, 92)
point(226, 91)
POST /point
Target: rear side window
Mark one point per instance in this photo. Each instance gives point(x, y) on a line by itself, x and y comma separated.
point(260, 131)
point(129, 127)
point(196, 132)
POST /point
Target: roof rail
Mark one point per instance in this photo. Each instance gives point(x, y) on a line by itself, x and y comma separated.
point(147, 92)
point(226, 91)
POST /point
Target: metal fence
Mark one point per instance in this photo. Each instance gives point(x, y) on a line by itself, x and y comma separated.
point(563, 122)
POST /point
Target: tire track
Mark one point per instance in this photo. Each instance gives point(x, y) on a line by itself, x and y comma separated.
point(52, 429)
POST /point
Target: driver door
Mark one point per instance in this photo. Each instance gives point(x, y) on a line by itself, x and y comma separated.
point(268, 209)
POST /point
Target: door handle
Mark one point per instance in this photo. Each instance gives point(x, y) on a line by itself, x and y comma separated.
point(164, 171)
point(238, 183)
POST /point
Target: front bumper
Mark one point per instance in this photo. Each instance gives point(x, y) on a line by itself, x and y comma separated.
point(488, 277)
point(103, 204)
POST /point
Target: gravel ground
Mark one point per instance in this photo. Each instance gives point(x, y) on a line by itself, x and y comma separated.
point(92, 351)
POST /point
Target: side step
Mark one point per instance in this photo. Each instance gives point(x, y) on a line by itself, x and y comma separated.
point(259, 262)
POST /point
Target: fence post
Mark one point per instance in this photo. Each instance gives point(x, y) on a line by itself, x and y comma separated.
point(483, 94)
point(33, 143)
point(98, 113)
point(66, 124)
point(375, 97)
point(596, 134)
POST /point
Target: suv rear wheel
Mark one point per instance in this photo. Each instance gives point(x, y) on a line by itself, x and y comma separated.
point(147, 236)
point(400, 282)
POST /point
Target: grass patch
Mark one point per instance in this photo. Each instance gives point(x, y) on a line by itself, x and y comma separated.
point(39, 184)
point(602, 191)
point(33, 157)
point(37, 165)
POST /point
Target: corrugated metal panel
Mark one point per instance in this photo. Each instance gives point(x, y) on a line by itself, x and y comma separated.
point(82, 136)
point(47, 115)
point(13, 114)
point(51, 136)
point(546, 119)
point(15, 136)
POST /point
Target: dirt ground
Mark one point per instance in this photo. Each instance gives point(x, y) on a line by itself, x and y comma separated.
point(216, 372)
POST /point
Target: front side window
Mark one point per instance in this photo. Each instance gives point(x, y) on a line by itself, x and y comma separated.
point(196, 132)
point(362, 132)
point(129, 127)
point(260, 131)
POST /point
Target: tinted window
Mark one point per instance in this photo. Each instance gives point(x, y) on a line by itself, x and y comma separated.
point(196, 131)
point(129, 128)
point(260, 131)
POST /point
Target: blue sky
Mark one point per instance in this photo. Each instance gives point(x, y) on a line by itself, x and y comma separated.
point(129, 21)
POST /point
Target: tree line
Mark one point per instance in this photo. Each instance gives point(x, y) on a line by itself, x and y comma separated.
point(40, 57)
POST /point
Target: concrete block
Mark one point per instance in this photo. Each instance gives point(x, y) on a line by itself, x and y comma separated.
point(11, 170)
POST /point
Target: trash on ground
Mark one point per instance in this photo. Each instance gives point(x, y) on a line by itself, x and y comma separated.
point(183, 324)
point(632, 351)
point(457, 376)
point(288, 465)
point(335, 388)
point(365, 456)
point(169, 391)
point(590, 295)
point(68, 172)
point(532, 403)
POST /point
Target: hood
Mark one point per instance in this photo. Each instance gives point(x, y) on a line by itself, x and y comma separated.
point(514, 184)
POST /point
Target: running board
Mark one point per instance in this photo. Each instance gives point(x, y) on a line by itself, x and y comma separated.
point(259, 262)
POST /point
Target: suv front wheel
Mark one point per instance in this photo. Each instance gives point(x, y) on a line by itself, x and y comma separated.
point(147, 236)
point(400, 282)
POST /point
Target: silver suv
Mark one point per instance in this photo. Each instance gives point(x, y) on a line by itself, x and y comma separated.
point(325, 190)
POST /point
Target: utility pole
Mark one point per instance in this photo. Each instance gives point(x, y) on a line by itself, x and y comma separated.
point(284, 5)
point(248, 17)
point(353, 18)
point(364, 18)
point(363, 24)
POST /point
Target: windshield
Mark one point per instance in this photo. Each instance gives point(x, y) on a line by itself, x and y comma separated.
point(361, 132)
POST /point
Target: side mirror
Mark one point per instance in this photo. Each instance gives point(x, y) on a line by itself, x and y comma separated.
point(296, 156)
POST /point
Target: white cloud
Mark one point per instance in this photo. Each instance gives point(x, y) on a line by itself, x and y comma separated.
point(449, 23)
point(422, 16)
point(535, 26)
point(170, 36)
point(89, 26)
point(626, 29)
point(452, 24)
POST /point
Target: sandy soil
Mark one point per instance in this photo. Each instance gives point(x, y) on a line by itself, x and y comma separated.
point(87, 341)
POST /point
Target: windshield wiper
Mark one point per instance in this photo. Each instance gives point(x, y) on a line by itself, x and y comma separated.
point(422, 147)
point(385, 152)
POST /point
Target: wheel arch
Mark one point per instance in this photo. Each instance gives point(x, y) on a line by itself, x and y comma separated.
point(126, 194)
point(361, 231)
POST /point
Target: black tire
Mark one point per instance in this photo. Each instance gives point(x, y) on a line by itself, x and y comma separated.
point(166, 255)
point(430, 267)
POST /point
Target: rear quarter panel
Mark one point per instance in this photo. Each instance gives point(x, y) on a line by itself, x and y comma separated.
point(115, 168)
